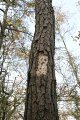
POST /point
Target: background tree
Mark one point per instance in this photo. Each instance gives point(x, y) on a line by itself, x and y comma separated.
point(67, 67)
point(12, 48)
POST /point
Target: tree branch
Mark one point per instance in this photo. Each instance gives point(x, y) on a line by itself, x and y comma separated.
point(16, 30)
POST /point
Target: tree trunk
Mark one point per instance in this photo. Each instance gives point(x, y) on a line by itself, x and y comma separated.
point(41, 100)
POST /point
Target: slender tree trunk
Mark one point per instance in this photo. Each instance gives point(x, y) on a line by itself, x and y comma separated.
point(41, 100)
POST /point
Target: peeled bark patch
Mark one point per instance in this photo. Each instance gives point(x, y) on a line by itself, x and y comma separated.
point(42, 64)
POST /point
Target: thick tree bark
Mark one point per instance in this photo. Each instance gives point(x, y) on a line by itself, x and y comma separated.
point(41, 100)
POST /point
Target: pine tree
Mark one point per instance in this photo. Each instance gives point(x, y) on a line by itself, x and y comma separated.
point(41, 98)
